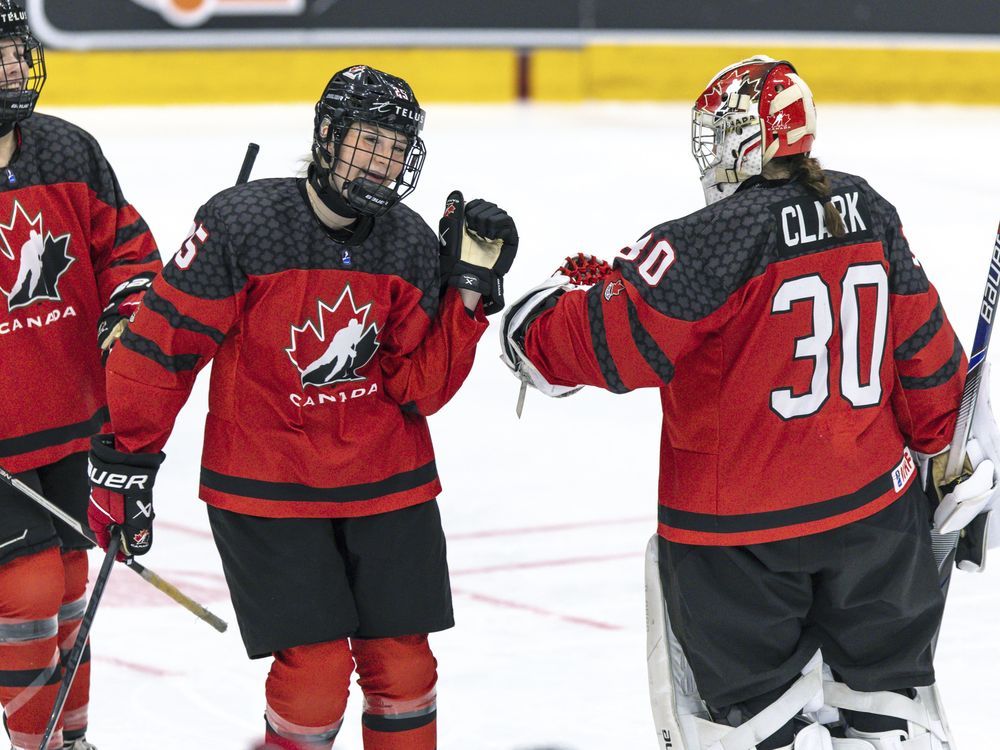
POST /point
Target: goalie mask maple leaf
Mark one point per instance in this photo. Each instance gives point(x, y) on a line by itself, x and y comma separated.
point(336, 345)
point(32, 259)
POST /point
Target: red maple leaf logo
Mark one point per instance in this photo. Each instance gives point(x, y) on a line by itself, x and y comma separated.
point(338, 344)
point(37, 259)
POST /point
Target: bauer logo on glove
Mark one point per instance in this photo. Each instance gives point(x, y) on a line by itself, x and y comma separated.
point(478, 245)
point(121, 495)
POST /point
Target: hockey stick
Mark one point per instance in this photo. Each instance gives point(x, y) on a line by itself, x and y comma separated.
point(75, 655)
point(248, 160)
point(145, 573)
point(969, 543)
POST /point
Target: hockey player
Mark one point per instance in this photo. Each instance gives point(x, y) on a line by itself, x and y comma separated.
point(74, 259)
point(802, 356)
point(321, 301)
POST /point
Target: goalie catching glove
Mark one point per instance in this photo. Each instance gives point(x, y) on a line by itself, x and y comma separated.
point(121, 495)
point(478, 245)
point(576, 273)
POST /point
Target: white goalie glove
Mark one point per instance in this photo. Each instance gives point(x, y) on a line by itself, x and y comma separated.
point(511, 351)
point(976, 494)
point(577, 272)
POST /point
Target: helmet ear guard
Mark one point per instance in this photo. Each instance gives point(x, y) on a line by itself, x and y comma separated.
point(750, 112)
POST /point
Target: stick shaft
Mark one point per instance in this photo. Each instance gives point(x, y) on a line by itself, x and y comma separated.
point(248, 160)
point(75, 655)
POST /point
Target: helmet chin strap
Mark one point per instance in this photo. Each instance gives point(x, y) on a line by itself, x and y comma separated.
point(6, 126)
point(329, 196)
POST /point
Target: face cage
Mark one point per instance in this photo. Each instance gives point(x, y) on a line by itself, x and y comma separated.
point(366, 156)
point(706, 135)
point(18, 92)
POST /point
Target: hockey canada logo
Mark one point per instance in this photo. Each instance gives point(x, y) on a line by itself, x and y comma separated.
point(187, 13)
point(613, 289)
point(339, 343)
point(37, 259)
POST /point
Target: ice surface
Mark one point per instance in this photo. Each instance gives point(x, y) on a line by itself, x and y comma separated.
point(547, 517)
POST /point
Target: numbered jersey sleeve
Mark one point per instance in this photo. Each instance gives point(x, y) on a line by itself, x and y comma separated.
point(183, 320)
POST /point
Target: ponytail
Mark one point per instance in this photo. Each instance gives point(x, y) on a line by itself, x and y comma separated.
point(808, 171)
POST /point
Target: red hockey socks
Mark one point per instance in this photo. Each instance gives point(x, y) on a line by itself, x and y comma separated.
point(74, 604)
point(398, 677)
point(306, 695)
point(31, 590)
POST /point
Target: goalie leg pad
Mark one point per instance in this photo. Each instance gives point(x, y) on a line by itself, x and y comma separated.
point(680, 715)
point(927, 725)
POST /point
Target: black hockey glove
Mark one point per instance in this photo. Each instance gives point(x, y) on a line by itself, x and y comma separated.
point(478, 245)
point(119, 312)
point(121, 495)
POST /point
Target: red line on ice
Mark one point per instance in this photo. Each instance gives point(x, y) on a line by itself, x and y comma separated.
point(547, 529)
point(502, 568)
point(144, 668)
point(536, 610)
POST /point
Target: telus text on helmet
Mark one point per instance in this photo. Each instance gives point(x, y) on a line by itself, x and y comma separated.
point(14, 16)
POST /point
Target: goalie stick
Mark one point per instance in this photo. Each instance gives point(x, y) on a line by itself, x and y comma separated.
point(75, 655)
point(967, 547)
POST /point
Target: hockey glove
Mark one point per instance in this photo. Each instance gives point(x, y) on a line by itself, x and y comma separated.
point(121, 495)
point(478, 245)
point(119, 312)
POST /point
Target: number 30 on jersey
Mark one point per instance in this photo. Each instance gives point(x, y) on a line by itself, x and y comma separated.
point(814, 289)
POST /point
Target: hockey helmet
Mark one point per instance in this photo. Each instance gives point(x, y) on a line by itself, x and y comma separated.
point(750, 112)
point(361, 96)
point(22, 64)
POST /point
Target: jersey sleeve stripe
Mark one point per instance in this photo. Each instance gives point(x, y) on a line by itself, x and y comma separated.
point(54, 436)
point(922, 336)
point(166, 309)
point(655, 357)
point(128, 233)
point(599, 340)
point(151, 350)
point(153, 256)
point(943, 374)
point(264, 490)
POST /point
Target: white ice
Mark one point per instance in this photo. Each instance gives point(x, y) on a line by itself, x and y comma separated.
point(547, 517)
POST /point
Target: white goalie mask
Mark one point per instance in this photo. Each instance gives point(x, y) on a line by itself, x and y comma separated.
point(750, 112)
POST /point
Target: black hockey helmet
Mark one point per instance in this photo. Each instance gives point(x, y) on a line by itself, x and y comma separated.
point(369, 99)
point(22, 64)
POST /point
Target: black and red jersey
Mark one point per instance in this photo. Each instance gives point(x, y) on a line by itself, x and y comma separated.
point(329, 351)
point(68, 239)
point(797, 370)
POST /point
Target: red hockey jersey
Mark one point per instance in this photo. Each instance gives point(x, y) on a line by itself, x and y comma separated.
point(796, 369)
point(329, 351)
point(68, 239)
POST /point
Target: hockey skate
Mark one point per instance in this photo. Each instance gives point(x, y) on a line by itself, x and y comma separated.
point(79, 744)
